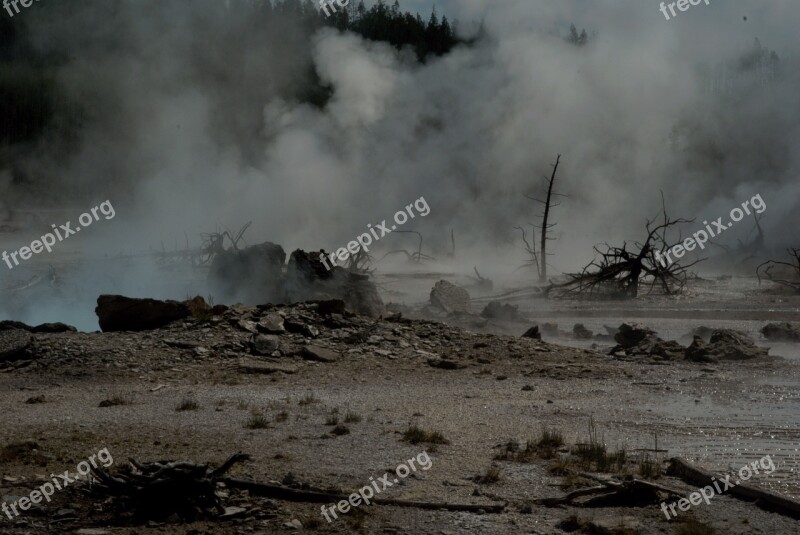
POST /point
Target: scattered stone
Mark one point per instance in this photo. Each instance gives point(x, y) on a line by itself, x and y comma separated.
point(271, 324)
point(449, 297)
point(527, 388)
point(247, 325)
point(781, 332)
point(232, 512)
point(319, 354)
point(533, 332)
point(92, 531)
point(247, 365)
point(581, 333)
point(445, 364)
point(264, 344)
point(120, 313)
point(309, 331)
point(294, 524)
point(500, 311)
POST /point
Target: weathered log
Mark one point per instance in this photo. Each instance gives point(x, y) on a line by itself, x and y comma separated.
point(280, 492)
point(765, 499)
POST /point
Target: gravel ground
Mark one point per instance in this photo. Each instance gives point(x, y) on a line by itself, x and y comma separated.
point(478, 390)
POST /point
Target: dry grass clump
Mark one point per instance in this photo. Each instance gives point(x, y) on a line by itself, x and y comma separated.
point(114, 401)
point(257, 421)
point(691, 526)
point(492, 475)
point(416, 435)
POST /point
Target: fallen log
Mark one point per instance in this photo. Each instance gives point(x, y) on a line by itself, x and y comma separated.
point(280, 492)
point(765, 499)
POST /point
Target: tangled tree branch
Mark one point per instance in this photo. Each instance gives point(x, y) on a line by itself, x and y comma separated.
point(765, 270)
point(618, 271)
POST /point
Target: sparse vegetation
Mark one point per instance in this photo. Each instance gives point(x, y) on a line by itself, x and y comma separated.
point(114, 402)
point(352, 418)
point(187, 404)
point(550, 438)
point(415, 435)
point(649, 468)
point(692, 526)
point(333, 419)
point(340, 430)
point(282, 416)
point(256, 421)
point(308, 399)
point(492, 475)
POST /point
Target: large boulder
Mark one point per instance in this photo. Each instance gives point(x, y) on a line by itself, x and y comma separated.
point(307, 279)
point(725, 344)
point(781, 332)
point(120, 313)
point(449, 297)
point(250, 275)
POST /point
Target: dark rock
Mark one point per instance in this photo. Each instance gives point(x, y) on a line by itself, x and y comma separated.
point(630, 334)
point(250, 275)
point(53, 328)
point(43, 328)
point(264, 344)
point(294, 326)
point(501, 311)
point(698, 351)
point(725, 344)
point(198, 308)
point(449, 297)
point(308, 280)
point(7, 325)
point(445, 364)
point(781, 332)
point(533, 332)
point(119, 313)
point(14, 344)
point(330, 306)
point(582, 333)
point(319, 354)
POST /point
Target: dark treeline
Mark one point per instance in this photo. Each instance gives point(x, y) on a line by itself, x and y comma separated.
point(227, 40)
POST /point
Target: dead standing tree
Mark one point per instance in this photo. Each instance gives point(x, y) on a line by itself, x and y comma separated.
point(618, 271)
point(536, 260)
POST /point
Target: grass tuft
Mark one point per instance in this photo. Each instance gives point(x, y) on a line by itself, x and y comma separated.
point(256, 421)
point(187, 404)
point(415, 435)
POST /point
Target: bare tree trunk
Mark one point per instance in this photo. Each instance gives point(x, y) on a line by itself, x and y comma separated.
point(543, 270)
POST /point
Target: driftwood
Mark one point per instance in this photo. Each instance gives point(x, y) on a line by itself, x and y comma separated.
point(280, 492)
point(608, 488)
point(765, 499)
